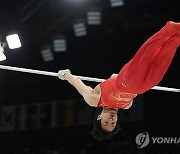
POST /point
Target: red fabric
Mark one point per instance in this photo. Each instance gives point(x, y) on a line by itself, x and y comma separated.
point(144, 71)
point(112, 97)
point(151, 61)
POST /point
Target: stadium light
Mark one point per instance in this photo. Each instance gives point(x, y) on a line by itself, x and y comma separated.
point(2, 56)
point(59, 44)
point(47, 53)
point(79, 29)
point(94, 17)
point(116, 3)
point(13, 41)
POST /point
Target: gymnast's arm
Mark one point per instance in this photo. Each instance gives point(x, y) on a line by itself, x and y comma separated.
point(87, 92)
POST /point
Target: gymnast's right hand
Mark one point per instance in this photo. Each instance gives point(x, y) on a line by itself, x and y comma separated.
point(61, 73)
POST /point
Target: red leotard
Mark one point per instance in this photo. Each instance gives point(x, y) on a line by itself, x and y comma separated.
point(112, 97)
point(145, 70)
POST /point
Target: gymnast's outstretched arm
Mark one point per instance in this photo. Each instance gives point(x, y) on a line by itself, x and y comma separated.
point(87, 92)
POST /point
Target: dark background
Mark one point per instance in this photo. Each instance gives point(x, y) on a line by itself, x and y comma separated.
point(103, 51)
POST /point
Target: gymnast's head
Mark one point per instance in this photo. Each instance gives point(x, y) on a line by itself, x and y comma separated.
point(105, 124)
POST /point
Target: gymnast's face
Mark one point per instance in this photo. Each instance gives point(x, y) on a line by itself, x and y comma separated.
point(108, 119)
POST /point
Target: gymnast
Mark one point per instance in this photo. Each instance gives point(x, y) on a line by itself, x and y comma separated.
point(145, 70)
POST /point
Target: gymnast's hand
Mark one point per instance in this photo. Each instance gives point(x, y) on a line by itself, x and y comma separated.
point(61, 73)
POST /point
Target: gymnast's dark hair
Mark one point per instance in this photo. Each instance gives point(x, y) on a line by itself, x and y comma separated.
point(101, 134)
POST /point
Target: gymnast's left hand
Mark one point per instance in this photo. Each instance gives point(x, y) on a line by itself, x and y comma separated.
point(61, 73)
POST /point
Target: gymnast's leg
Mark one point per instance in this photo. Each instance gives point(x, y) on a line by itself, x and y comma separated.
point(151, 61)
